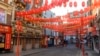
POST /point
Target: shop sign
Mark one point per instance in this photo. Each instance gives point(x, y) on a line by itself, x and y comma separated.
point(2, 28)
point(5, 29)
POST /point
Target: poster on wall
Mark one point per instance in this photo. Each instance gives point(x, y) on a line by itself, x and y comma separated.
point(2, 16)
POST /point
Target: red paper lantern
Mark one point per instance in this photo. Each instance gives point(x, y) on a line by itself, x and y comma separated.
point(86, 9)
point(81, 11)
point(21, 13)
point(46, 2)
point(18, 23)
point(83, 4)
point(75, 4)
point(64, 4)
point(37, 1)
point(29, 1)
point(25, 1)
point(76, 13)
point(18, 26)
point(17, 14)
point(60, 2)
point(70, 4)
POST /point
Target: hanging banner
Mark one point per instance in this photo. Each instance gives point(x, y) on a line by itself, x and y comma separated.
point(8, 41)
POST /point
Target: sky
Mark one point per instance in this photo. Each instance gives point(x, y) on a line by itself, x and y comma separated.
point(60, 11)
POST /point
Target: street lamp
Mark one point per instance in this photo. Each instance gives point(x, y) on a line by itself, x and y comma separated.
point(81, 34)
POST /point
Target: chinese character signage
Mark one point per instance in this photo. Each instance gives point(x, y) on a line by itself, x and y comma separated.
point(8, 41)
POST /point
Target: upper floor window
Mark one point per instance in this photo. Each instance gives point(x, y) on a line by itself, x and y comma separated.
point(10, 1)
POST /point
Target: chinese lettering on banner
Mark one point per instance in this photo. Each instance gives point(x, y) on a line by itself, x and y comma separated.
point(8, 41)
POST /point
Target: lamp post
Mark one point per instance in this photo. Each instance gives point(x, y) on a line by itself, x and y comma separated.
point(81, 34)
point(82, 40)
point(18, 27)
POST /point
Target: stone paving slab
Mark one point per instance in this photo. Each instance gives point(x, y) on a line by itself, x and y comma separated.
point(91, 52)
point(35, 51)
point(24, 52)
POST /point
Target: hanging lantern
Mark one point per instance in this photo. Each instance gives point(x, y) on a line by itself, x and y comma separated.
point(18, 26)
point(29, 1)
point(70, 4)
point(75, 4)
point(37, 1)
point(83, 4)
point(76, 13)
point(86, 9)
point(21, 13)
point(60, 3)
point(17, 14)
point(46, 2)
point(81, 11)
point(18, 22)
point(25, 1)
point(64, 2)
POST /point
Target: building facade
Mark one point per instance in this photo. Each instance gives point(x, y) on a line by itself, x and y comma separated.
point(93, 38)
point(31, 34)
point(6, 16)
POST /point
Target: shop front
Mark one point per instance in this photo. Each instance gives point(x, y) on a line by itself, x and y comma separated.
point(5, 37)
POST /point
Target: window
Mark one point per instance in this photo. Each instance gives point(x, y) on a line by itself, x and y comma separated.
point(9, 1)
point(1, 39)
point(2, 16)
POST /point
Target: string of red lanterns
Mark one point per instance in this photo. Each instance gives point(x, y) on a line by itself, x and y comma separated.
point(86, 19)
point(74, 27)
point(53, 4)
point(41, 9)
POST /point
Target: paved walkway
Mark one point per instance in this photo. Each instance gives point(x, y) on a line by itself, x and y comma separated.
point(91, 52)
point(70, 50)
point(24, 52)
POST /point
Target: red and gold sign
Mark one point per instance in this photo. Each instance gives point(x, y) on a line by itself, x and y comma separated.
point(5, 29)
point(8, 41)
